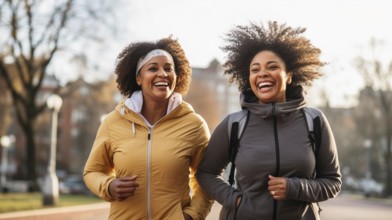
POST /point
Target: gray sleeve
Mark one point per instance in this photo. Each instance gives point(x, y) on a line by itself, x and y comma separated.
point(327, 183)
point(210, 168)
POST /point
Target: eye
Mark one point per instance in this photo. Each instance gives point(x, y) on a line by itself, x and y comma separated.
point(153, 69)
point(273, 67)
point(254, 70)
point(169, 69)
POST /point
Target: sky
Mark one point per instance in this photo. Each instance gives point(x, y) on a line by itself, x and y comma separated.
point(342, 29)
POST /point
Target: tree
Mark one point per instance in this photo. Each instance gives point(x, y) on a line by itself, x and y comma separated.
point(86, 116)
point(377, 74)
point(5, 111)
point(32, 33)
point(369, 136)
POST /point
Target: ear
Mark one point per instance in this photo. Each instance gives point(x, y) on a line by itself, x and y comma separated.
point(289, 78)
point(138, 80)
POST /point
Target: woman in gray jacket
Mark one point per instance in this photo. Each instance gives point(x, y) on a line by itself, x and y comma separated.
point(279, 175)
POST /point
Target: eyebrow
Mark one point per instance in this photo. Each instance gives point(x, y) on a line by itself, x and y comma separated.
point(156, 63)
point(269, 62)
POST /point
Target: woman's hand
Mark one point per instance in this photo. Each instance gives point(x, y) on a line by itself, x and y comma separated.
point(277, 187)
point(123, 187)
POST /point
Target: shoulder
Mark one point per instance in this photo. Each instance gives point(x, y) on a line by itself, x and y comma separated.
point(314, 112)
point(196, 119)
point(237, 116)
point(111, 117)
point(189, 113)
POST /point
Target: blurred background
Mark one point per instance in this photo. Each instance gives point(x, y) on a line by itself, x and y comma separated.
point(69, 47)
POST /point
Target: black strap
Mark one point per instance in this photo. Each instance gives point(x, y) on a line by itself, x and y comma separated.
point(233, 149)
point(315, 139)
point(317, 133)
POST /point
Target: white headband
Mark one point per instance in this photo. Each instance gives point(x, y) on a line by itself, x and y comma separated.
point(150, 55)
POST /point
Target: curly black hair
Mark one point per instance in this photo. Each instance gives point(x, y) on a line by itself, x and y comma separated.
point(301, 58)
point(127, 60)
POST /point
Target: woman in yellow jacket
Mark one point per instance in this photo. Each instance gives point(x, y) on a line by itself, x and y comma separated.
point(148, 149)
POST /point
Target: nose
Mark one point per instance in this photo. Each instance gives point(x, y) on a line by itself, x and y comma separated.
point(162, 73)
point(263, 73)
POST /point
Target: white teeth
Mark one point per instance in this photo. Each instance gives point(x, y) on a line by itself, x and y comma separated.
point(161, 84)
point(264, 84)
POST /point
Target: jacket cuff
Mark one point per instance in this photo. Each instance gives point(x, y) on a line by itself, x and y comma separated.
point(292, 191)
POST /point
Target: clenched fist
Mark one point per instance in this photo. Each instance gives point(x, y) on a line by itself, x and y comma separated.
point(123, 187)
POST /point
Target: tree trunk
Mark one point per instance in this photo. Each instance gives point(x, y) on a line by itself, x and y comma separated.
point(31, 157)
point(388, 162)
point(388, 189)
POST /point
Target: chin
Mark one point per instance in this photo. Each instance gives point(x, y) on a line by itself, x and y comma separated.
point(163, 95)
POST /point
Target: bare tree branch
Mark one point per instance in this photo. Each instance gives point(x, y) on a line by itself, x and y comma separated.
point(35, 30)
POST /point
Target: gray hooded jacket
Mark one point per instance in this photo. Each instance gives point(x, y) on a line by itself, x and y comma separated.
point(275, 142)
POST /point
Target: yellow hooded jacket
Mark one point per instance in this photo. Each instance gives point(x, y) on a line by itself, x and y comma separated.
point(164, 158)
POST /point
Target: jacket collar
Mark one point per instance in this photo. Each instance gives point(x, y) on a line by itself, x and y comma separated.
point(135, 102)
point(268, 110)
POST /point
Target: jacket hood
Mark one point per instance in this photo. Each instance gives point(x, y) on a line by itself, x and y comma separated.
point(130, 108)
point(268, 110)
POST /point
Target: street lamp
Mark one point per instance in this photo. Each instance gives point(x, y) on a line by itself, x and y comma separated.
point(51, 182)
point(367, 144)
point(5, 142)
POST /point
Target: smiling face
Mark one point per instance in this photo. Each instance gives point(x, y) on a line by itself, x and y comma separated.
point(157, 78)
point(268, 77)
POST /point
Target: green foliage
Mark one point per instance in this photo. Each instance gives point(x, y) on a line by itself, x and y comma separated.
point(12, 202)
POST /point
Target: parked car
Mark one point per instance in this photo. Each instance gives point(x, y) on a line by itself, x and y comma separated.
point(73, 185)
point(371, 187)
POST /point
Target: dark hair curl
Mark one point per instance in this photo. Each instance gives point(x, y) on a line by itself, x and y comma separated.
point(128, 58)
point(301, 58)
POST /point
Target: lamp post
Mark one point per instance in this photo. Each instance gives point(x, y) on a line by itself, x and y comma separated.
point(51, 182)
point(5, 142)
point(367, 144)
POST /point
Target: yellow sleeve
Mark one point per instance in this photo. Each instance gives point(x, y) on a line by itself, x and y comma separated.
point(98, 171)
point(200, 204)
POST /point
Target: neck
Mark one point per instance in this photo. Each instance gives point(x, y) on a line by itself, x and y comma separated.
point(153, 112)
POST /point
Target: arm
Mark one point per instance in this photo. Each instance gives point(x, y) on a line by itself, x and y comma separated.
point(200, 204)
point(98, 171)
point(327, 183)
point(210, 169)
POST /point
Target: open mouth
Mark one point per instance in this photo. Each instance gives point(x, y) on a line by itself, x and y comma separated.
point(161, 84)
point(265, 85)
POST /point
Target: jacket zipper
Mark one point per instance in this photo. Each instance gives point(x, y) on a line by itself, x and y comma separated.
point(275, 208)
point(149, 174)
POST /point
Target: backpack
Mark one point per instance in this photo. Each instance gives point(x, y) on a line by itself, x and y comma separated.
point(239, 120)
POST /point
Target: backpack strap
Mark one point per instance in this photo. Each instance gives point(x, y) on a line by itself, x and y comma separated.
point(317, 133)
point(313, 124)
point(241, 117)
point(236, 126)
point(233, 149)
point(310, 128)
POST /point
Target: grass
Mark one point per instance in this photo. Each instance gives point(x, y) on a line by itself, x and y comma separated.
point(12, 202)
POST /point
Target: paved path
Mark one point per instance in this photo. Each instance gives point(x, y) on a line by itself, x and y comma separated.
point(97, 211)
point(344, 207)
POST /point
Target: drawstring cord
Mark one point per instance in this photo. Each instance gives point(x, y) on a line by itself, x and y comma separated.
point(133, 129)
point(122, 112)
